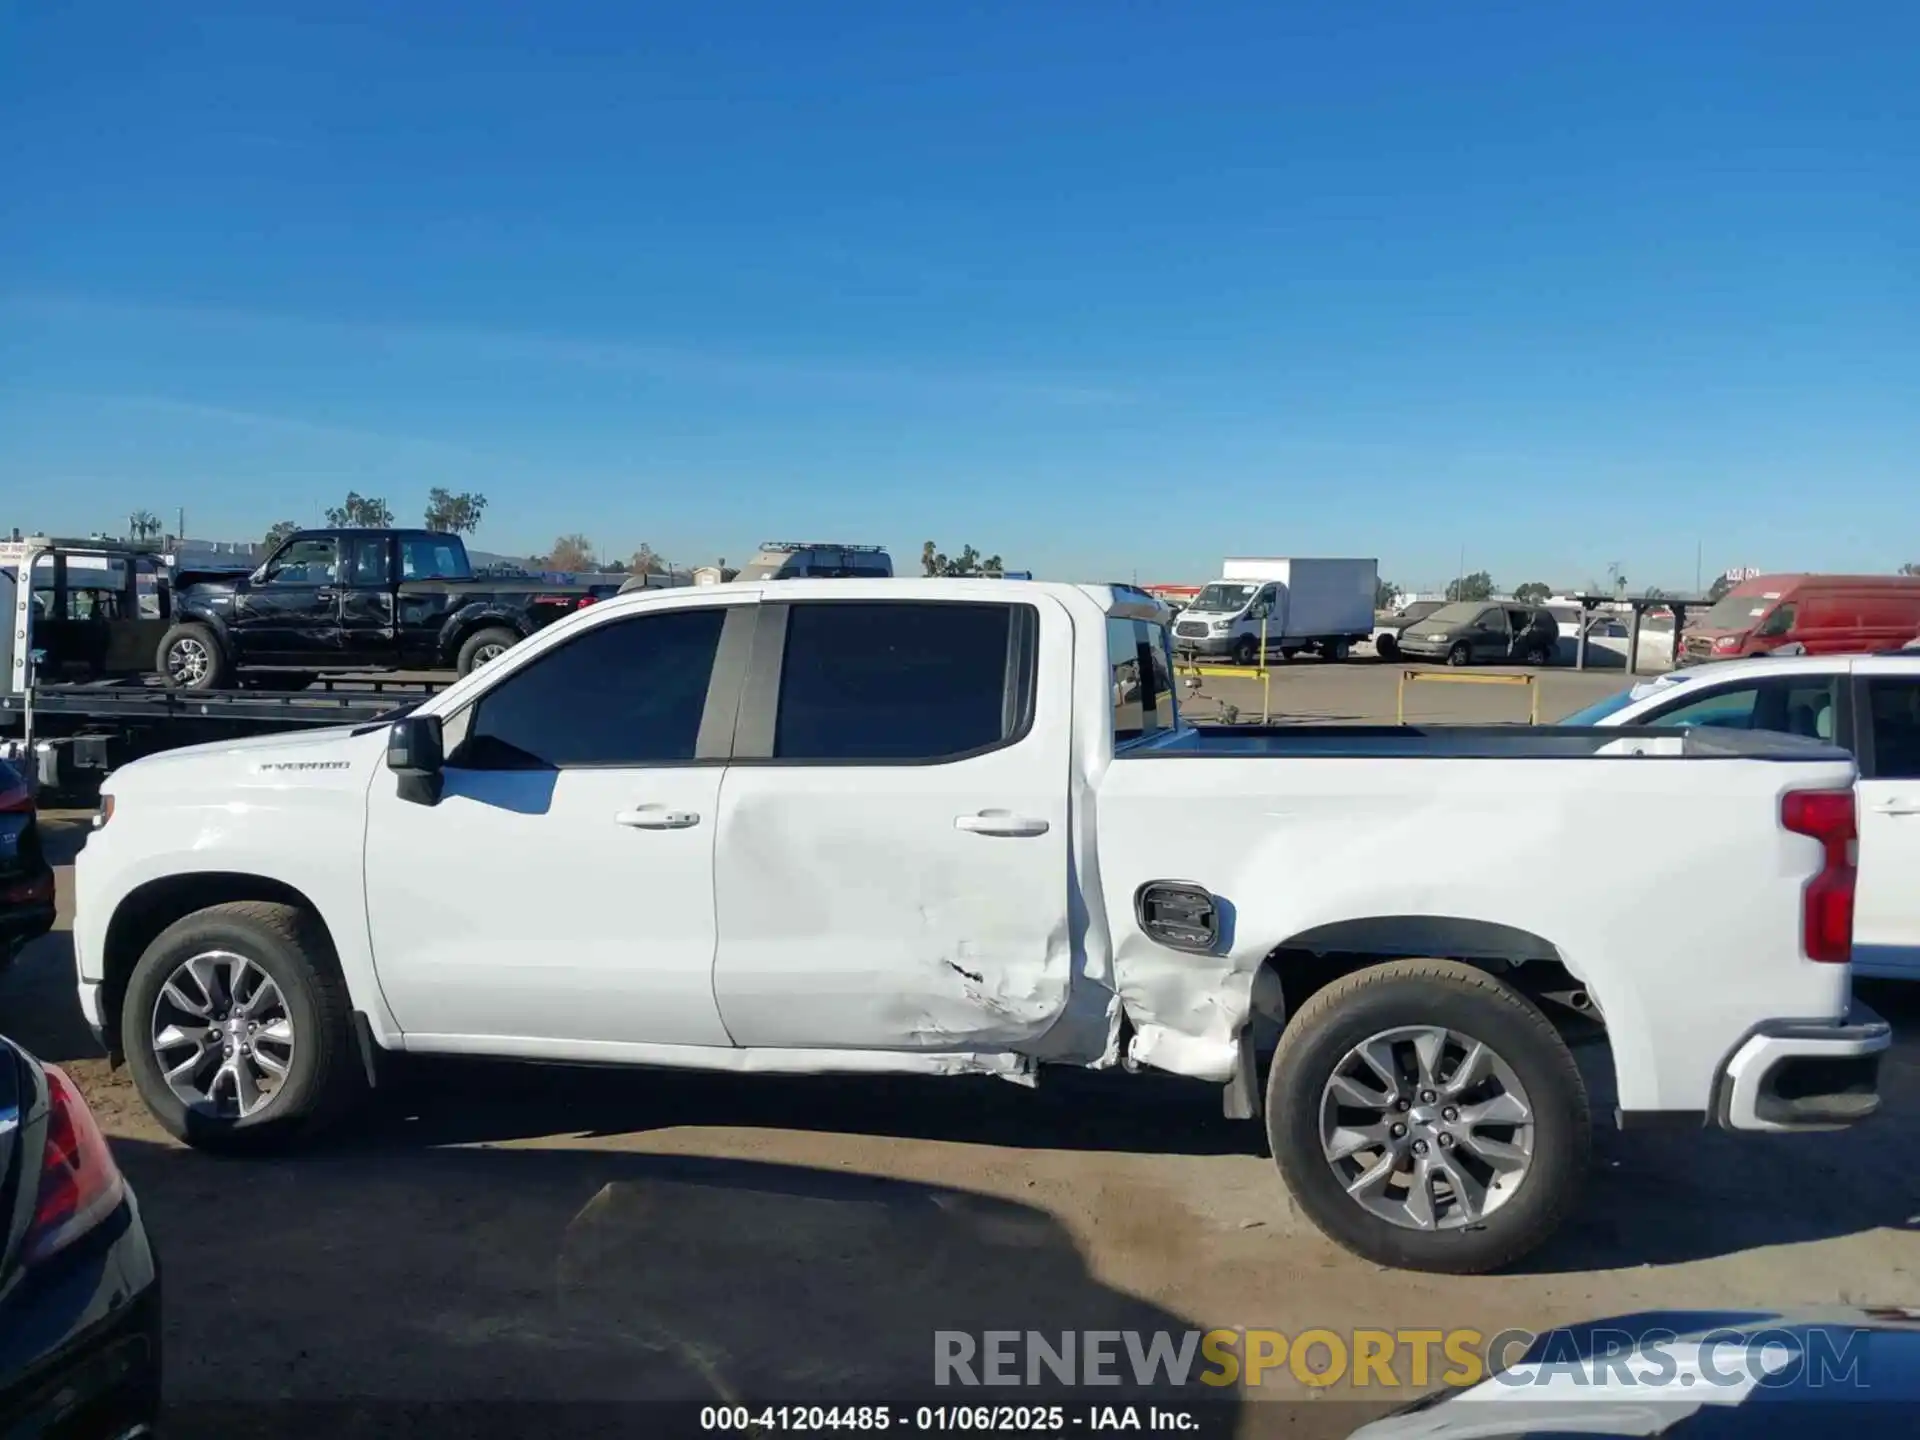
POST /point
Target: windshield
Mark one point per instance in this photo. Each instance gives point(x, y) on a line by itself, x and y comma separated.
point(1735, 612)
point(1221, 598)
point(1461, 612)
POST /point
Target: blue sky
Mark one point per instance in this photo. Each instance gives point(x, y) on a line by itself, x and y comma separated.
point(1110, 289)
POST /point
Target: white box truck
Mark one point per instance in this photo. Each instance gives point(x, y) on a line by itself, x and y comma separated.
point(1291, 605)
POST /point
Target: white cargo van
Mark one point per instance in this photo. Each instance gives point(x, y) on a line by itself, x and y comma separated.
point(1325, 606)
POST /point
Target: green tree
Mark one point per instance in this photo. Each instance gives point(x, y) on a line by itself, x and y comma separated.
point(1653, 592)
point(572, 552)
point(454, 514)
point(645, 562)
point(1533, 592)
point(968, 562)
point(1718, 590)
point(1385, 592)
point(1477, 586)
point(277, 534)
point(360, 512)
point(144, 525)
point(1910, 569)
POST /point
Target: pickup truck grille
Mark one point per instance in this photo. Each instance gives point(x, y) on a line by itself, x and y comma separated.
point(1698, 647)
point(1196, 628)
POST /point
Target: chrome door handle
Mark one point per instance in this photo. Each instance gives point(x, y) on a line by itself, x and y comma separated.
point(1000, 822)
point(657, 817)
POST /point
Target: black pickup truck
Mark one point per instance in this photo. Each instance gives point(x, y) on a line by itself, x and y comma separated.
point(356, 599)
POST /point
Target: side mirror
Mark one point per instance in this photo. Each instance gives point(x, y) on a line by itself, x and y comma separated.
point(415, 753)
point(1260, 611)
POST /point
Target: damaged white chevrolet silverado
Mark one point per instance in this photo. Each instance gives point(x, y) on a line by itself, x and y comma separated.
point(947, 827)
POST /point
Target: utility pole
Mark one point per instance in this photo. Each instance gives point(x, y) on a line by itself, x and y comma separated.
point(1696, 567)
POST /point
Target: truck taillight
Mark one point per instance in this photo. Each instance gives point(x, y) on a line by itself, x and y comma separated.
point(584, 601)
point(79, 1183)
point(1826, 905)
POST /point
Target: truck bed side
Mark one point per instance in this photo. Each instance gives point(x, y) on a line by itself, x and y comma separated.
point(1618, 866)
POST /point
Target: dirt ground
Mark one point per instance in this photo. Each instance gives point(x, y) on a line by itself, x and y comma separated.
point(499, 1234)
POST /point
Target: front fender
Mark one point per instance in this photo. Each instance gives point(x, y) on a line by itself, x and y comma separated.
point(202, 612)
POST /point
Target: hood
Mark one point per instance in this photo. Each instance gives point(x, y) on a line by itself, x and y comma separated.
point(336, 750)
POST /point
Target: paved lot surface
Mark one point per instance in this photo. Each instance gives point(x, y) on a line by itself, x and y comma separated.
point(516, 1234)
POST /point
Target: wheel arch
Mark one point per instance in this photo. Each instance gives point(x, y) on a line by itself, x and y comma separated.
point(1306, 961)
point(462, 623)
point(150, 908)
point(199, 612)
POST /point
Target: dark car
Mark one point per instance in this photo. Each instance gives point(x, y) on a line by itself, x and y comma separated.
point(356, 600)
point(1386, 635)
point(26, 880)
point(79, 1287)
point(1492, 631)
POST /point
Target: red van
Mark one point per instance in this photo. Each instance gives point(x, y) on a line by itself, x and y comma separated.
point(1823, 614)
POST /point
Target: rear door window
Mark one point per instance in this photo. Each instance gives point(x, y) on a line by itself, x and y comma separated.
point(1141, 677)
point(1894, 715)
point(891, 682)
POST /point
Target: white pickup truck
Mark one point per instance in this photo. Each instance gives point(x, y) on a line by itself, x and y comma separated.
point(958, 826)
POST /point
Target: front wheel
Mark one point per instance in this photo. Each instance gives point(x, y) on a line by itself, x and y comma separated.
point(1335, 650)
point(1460, 654)
point(1428, 1117)
point(1245, 650)
point(1387, 647)
point(236, 1026)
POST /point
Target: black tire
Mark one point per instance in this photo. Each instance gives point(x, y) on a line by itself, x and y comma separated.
point(1335, 650)
point(484, 645)
point(1540, 655)
point(1246, 650)
point(1460, 654)
point(324, 1076)
point(1471, 1003)
point(1387, 647)
point(189, 657)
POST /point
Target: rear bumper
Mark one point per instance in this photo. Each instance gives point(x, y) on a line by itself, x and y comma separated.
point(1791, 1075)
point(82, 1351)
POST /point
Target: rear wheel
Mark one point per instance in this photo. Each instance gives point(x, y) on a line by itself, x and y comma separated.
point(1335, 650)
point(236, 1027)
point(1428, 1117)
point(190, 658)
point(1460, 654)
point(1539, 654)
point(484, 646)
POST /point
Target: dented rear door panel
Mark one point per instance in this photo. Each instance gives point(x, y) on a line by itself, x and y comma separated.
point(855, 913)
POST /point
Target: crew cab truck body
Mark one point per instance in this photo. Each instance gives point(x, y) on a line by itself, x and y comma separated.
point(360, 600)
point(953, 826)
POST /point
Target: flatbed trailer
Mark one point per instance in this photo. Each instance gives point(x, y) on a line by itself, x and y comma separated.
point(66, 735)
point(78, 696)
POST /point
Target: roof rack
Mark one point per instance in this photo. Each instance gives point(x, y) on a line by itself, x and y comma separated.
point(822, 545)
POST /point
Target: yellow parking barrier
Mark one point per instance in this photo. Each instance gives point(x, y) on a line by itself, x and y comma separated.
point(1239, 672)
point(1449, 678)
